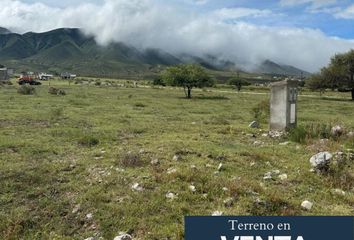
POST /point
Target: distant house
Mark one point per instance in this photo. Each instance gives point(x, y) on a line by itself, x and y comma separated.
point(45, 76)
point(67, 75)
point(4, 74)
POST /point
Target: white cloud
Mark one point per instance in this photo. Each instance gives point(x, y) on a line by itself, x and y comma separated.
point(235, 13)
point(315, 4)
point(145, 23)
point(347, 13)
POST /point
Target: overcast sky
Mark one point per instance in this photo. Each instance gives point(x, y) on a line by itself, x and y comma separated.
point(303, 33)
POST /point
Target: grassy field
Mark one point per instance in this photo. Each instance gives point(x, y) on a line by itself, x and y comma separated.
point(68, 163)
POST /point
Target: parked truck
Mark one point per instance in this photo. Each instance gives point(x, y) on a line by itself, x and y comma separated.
point(27, 79)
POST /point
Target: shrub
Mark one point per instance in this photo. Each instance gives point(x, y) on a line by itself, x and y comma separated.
point(56, 91)
point(26, 90)
point(261, 110)
point(129, 159)
point(298, 134)
point(88, 141)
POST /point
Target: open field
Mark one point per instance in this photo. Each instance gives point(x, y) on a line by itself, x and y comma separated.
point(68, 163)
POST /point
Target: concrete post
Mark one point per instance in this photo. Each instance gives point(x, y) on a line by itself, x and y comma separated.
point(283, 105)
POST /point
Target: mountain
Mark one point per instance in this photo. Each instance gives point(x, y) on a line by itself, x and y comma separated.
point(4, 31)
point(269, 67)
point(68, 49)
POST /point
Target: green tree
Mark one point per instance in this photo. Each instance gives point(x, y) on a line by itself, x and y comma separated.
point(339, 74)
point(316, 83)
point(238, 82)
point(187, 76)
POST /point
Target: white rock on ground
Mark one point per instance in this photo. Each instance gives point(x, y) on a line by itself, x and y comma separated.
point(177, 158)
point(220, 167)
point(254, 124)
point(76, 209)
point(307, 205)
point(337, 131)
point(171, 170)
point(321, 161)
point(217, 213)
point(137, 187)
point(171, 195)
point(192, 188)
point(123, 236)
point(155, 162)
point(283, 177)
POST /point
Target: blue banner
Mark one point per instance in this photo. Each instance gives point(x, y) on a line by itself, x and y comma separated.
point(269, 228)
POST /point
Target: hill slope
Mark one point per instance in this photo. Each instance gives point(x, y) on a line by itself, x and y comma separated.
point(67, 49)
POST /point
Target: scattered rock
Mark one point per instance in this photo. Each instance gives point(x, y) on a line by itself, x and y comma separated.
point(171, 195)
point(225, 189)
point(283, 177)
point(193, 167)
point(155, 162)
point(123, 236)
point(194, 123)
point(338, 192)
point(337, 131)
point(254, 124)
point(141, 151)
point(76, 209)
point(265, 135)
point(258, 143)
point(177, 158)
point(284, 143)
point(137, 187)
point(217, 213)
point(350, 134)
point(307, 205)
point(268, 176)
point(252, 164)
point(320, 162)
point(275, 134)
point(89, 216)
point(221, 167)
point(192, 188)
point(171, 170)
point(229, 202)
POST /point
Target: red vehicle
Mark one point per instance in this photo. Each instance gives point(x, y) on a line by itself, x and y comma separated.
point(27, 79)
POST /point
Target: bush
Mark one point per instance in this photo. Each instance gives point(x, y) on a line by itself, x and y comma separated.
point(56, 91)
point(298, 134)
point(129, 159)
point(261, 110)
point(26, 90)
point(88, 141)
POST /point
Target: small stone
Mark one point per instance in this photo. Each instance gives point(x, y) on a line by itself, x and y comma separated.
point(90, 238)
point(220, 167)
point(155, 162)
point(283, 177)
point(194, 123)
point(208, 165)
point(177, 158)
point(193, 167)
point(320, 161)
point(268, 176)
point(307, 205)
point(171, 195)
point(225, 189)
point(205, 195)
point(171, 170)
point(76, 209)
point(89, 216)
point(339, 192)
point(258, 143)
point(265, 135)
point(137, 187)
point(192, 188)
point(276, 172)
point(141, 151)
point(254, 124)
point(350, 134)
point(229, 202)
point(252, 164)
point(123, 237)
point(217, 213)
point(284, 143)
point(337, 131)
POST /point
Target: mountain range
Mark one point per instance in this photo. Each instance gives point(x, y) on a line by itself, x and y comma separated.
point(67, 49)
